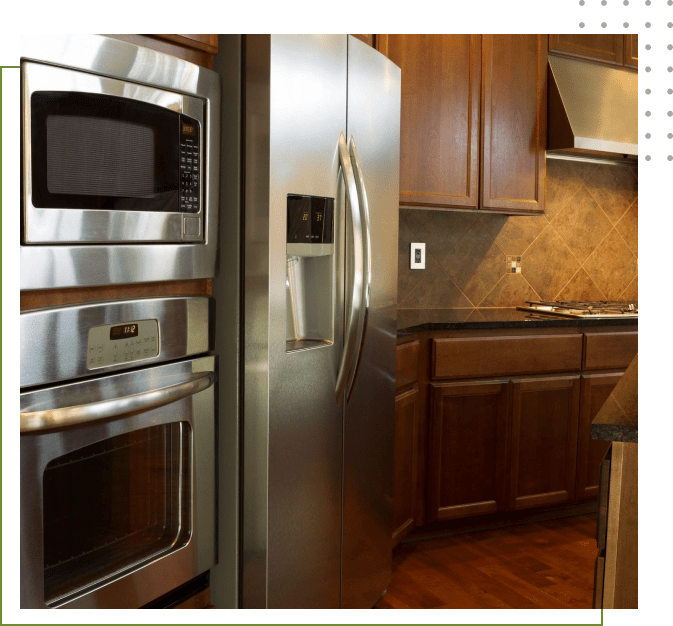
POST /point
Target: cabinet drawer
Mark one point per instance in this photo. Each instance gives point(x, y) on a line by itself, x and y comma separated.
point(476, 357)
point(407, 364)
point(609, 350)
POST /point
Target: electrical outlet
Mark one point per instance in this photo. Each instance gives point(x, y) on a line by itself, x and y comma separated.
point(417, 256)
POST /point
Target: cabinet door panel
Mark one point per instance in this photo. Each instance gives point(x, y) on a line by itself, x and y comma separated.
point(468, 449)
point(631, 51)
point(608, 49)
point(544, 441)
point(595, 390)
point(514, 122)
point(439, 129)
point(405, 463)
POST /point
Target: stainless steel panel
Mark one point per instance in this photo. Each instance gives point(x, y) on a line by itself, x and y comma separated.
point(54, 341)
point(55, 266)
point(224, 577)
point(38, 449)
point(374, 123)
point(597, 105)
point(295, 111)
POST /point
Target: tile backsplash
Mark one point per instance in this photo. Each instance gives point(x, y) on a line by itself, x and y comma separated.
point(585, 246)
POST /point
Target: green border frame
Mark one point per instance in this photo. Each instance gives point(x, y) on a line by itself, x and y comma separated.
point(493, 16)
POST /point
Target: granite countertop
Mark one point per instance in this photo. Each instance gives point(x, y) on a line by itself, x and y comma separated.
point(414, 320)
point(617, 419)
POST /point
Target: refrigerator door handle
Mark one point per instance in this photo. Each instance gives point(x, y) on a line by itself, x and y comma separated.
point(367, 263)
point(358, 268)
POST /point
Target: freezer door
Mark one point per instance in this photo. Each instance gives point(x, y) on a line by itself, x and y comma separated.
point(295, 112)
point(374, 126)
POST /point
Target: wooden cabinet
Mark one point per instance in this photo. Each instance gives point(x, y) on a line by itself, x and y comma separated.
point(616, 576)
point(492, 422)
point(368, 39)
point(617, 50)
point(468, 456)
point(595, 390)
point(473, 114)
point(545, 414)
point(405, 463)
point(514, 122)
point(631, 51)
point(608, 49)
point(439, 124)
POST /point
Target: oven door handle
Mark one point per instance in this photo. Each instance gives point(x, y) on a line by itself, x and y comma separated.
point(115, 407)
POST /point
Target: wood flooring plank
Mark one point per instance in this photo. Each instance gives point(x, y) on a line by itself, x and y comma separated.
point(547, 564)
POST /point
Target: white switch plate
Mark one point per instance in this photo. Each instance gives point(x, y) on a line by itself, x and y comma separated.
point(417, 256)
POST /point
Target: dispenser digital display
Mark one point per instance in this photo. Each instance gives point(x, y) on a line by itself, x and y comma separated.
point(310, 219)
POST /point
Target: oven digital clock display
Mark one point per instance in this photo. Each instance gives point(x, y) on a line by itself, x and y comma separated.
point(124, 331)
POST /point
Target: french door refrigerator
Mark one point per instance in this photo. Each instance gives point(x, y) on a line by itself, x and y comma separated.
point(320, 182)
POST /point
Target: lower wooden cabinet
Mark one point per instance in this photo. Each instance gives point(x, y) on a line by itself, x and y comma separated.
point(478, 432)
point(468, 449)
point(405, 463)
point(595, 390)
point(545, 413)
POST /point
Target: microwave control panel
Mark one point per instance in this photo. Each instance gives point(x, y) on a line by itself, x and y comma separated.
point(114, 344)
point(190, 161)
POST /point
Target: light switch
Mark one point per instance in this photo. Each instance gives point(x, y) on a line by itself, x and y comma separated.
point(417, 256)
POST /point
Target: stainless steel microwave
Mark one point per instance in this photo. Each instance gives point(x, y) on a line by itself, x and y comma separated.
point(120, 164)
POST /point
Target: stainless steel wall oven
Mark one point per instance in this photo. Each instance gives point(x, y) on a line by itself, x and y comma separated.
point(120, 164)
point(117, 451)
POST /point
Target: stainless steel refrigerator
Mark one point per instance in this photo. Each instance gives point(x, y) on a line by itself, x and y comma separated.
point(318, 291)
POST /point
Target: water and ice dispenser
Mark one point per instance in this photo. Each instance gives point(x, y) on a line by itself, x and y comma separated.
point(310, 271)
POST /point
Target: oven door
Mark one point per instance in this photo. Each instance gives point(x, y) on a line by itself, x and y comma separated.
point(108, 161)
point(118, 486)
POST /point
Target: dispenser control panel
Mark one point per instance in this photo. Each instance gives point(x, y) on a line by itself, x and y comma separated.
point(310, 225)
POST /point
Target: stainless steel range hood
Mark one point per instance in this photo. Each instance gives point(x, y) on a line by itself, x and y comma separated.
point(593, 110)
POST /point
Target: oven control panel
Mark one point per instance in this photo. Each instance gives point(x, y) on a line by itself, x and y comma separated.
point(114, 344)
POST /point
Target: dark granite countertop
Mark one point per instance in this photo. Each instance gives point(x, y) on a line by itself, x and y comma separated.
point(617, 419)
point(414, 320)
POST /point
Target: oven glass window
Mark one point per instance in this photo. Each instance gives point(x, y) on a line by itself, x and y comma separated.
point(113, 506)
point(93, 151)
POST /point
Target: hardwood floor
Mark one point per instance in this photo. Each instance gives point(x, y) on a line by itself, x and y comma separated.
point(545, 565)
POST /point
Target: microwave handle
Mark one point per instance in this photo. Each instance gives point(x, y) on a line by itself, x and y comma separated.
point(115, 407)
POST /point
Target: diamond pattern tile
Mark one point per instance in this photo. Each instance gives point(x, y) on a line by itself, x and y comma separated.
point(407, 278)
point(612, 266)
point(580, 287)
point(584, 247)
point(435, 291)
point(631, 291)
point(548, 264)
point(614, 188)
point(582, 224)
point(627, 227)
point(511, 290)
point(439, 230)
point(563, 182)
point(514, 233)
point(475, 263)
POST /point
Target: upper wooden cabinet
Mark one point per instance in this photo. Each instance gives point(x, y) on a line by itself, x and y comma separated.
point(473, 125)
point(368, 39)
point(439, 126)
point(619, 50)
point(514, 122)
